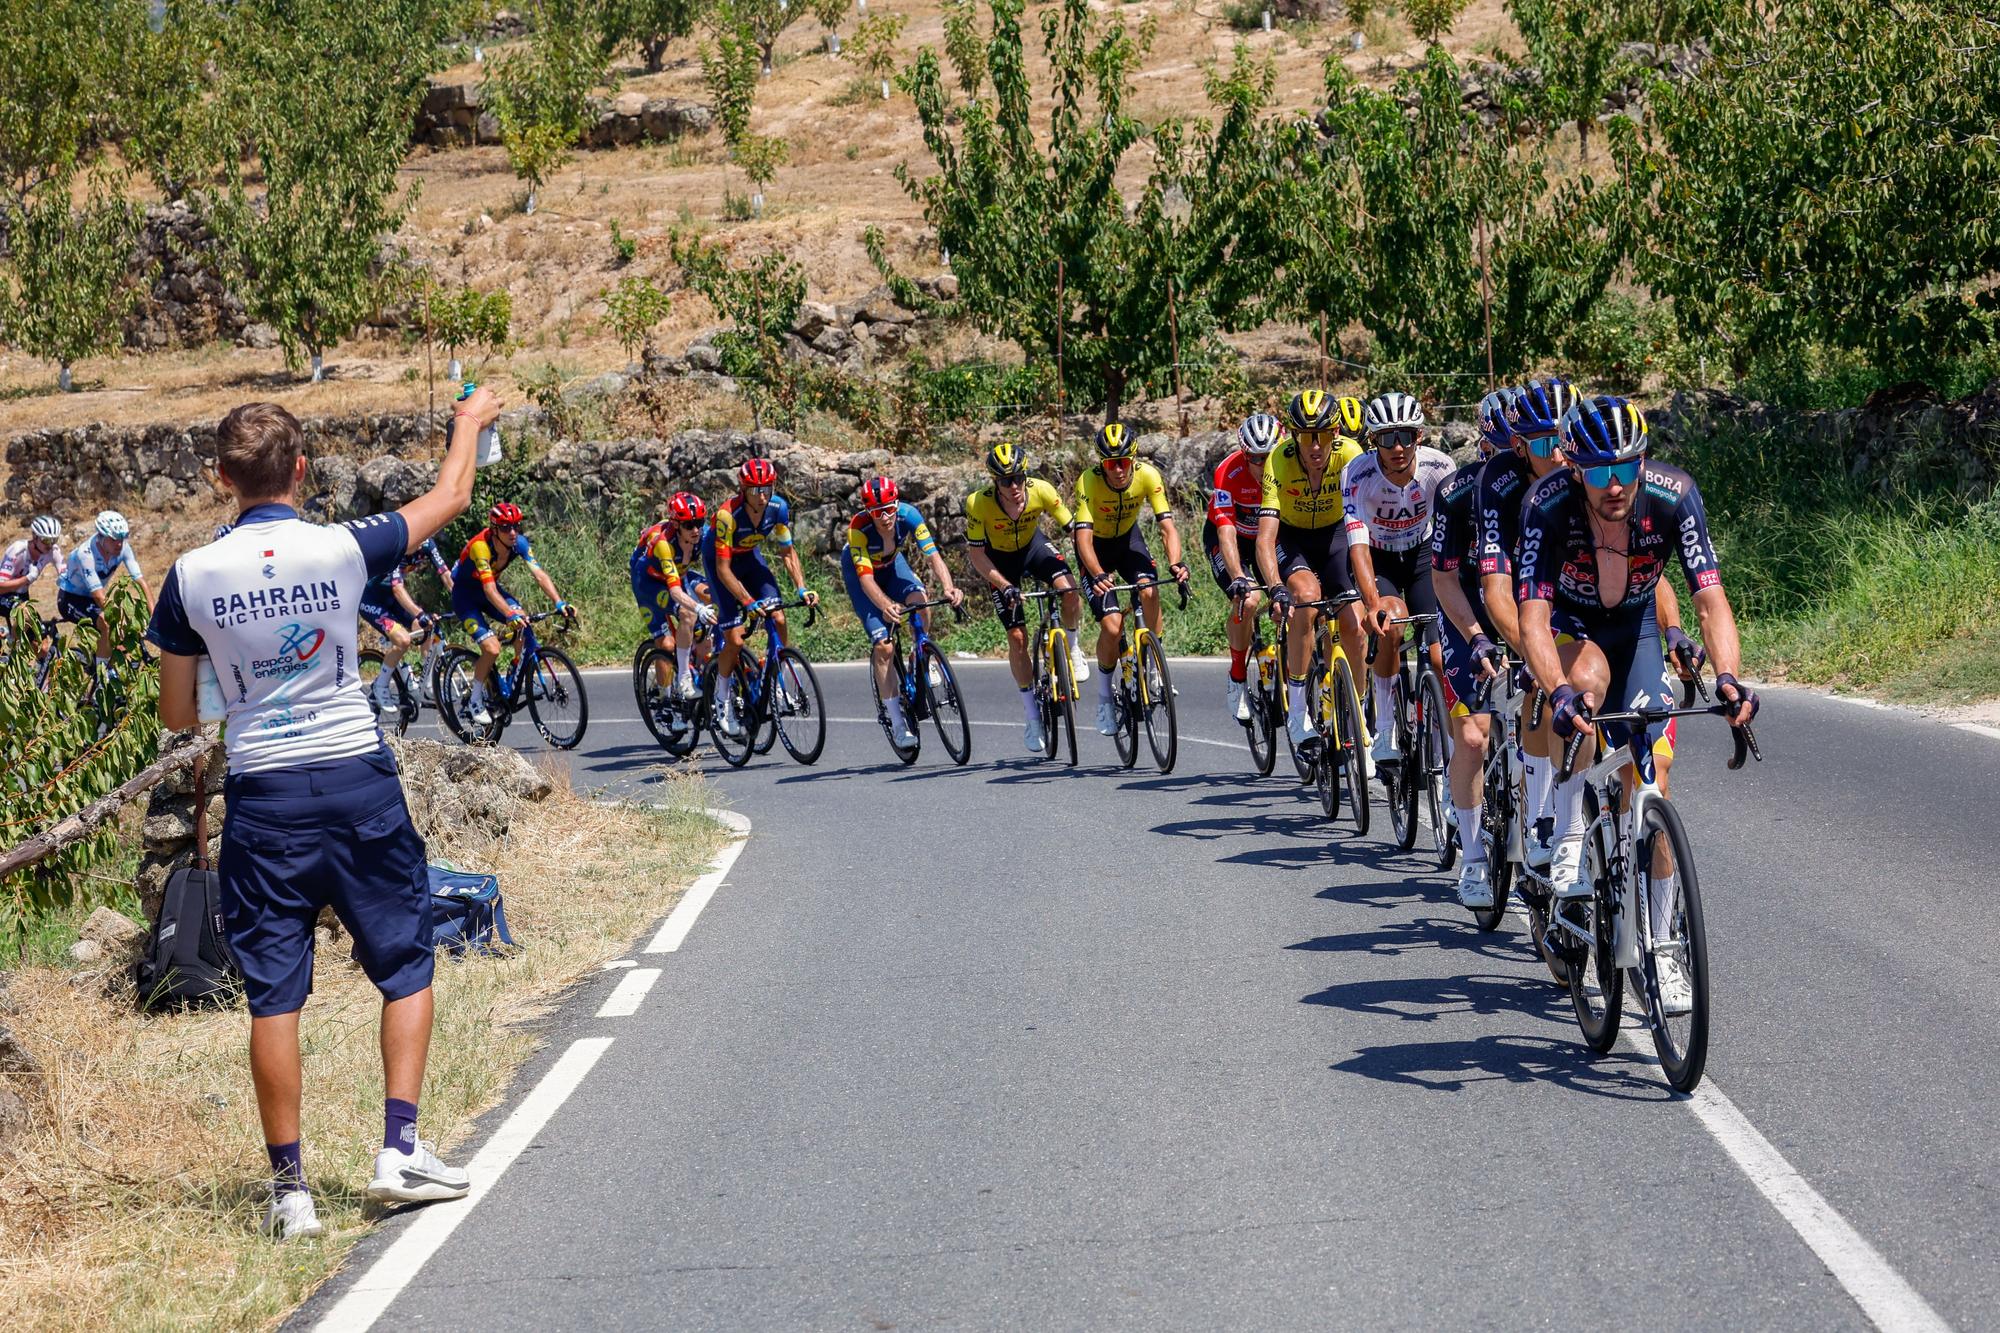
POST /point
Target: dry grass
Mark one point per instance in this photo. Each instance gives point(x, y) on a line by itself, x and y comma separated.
point(135, 1200)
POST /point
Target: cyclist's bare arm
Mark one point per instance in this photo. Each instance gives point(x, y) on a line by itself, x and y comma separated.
point(407, 602)
point(983, 567)
point(1538, 645)
point(1452, 601)
point(1086, 554)
point(1497, 591)
point(1718, 630)
point(1171, 535)
point(1267, 549)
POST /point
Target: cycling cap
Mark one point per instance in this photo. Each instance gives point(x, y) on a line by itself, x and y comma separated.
point(1259, 434)
point(1602, 430)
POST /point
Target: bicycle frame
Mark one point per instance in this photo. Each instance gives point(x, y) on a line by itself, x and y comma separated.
point(1052, 633)
point(1136, 632)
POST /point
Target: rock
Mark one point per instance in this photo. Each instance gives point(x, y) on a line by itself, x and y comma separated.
point(628, 104)
point(260, 336)
point(946, 286)
point(161, 492)
point(813, 317)
point(702, 355)
point(86, 953)
point(832, 340)
point(113, 932)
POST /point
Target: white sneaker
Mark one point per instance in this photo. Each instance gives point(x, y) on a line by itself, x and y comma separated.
point(291, 1217)
point(1031, 735)
point(1302, 729)
point(1239, 701)
point(1475, 885)
point(415, 1177)
point(1676, 988)
point(1107, 718)
point(1566, 869)
point(1383, 750)
point(1079, 665)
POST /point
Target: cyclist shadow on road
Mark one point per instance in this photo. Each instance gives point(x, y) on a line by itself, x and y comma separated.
point(1446, 935)
point(1427, 999)
point(1453, 1066)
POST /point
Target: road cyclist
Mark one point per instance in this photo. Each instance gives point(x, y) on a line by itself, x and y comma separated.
point(1233, 506)
point(479, 599)
point(83, 587)
point(1596, 536)
point(676, 598)
point(388, 607)
point(732, 559)
point(24, 561)
point(1111, 548)
point(1005, 544)
point(880, 583)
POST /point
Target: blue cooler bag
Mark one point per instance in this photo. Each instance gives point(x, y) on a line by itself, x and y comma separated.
point(467, 915)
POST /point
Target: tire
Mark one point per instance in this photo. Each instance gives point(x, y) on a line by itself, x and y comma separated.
point(1162, 726)
point(1432, 729)
point(1125, 712)
point(639, 664)
point(1065, 701)
point(454, 681)
point(947, 706)
point(798, 713)
point(556, 699)
point(1682, 1042)
point(904, 754)
point(368, 665)
point(1261, 729)
point(1353, 774)
point(735, 750)
point(1496, 816)
point(1321, 758)
point(1596, 985)
point(653, 700)
point(1403, 777)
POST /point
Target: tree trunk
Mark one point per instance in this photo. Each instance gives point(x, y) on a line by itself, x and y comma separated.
point(656, 54)
point(1114, 391)
point(528, 207)
point(318, 368)
point(63, 381)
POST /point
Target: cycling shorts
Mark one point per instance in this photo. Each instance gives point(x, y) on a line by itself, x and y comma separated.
point(77, 608)
point(1407, 575)
point(1322, 552)
point(1640, 677)
point(1246, 556)
point(1038, 560)
point(384, 614)
point(1461, 676)
point(656, 600)
point(898, 582)
point(1127, 558)
point(756, 578)
point(475, 614)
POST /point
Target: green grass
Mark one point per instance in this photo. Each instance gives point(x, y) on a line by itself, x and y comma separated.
point(42, 939)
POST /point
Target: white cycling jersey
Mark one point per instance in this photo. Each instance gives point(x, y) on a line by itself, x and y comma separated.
point(1384, 515)
point(16, 563)
point(88, 568)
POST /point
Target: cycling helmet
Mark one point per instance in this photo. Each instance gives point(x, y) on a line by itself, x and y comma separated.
point(505, 515)
point(686, 507)
point(1394, 411)
point(1007, 461)
point(757, 472)
point(1600, 431)
point(46, 529)
point(878, 492)
point(1538, 405)
point(111, 523)
point(1114, 442)
point(1259, 434)
point(1312, 409)
point(1493, 432)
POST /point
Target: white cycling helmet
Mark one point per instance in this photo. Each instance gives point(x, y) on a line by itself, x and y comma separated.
point(46, 529)
point(111, 523)
point(1393, 411)
point(1259, 434)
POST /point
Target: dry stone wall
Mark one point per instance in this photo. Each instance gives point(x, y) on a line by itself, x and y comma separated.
point(454, 115)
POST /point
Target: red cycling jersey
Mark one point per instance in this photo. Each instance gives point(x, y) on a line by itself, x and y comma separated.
point(1238, 493)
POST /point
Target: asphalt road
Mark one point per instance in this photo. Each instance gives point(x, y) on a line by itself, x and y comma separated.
point(1017, 1045)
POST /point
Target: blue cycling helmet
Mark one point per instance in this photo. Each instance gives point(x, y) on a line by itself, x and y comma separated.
point(1493, 431)
point(1538, 405)
point(1600, 431)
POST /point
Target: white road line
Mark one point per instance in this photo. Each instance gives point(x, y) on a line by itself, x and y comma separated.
point(376, 1289)
point(1185, 740)
point(681, 920)
point(1860, 701)
point(624, 1000)
point(617, 963)
point(1980, 728)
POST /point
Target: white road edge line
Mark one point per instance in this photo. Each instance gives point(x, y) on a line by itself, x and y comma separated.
point(377, 1289)
point(630, 992)
point(1980, 728)
point(681, 920)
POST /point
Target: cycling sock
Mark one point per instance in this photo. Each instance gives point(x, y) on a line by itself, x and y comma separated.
point(476, 695)
point(1385, 702)
point(399, 1124)
point(1295, 692)
point(288, 1172)
point(1661, 890)
point(1540, 776)
point(681, 652)
point(1568, 801)
point(1238, 657)
point(1468, 834)
point(1028, 708)
point(894, 705)
point(1104, 683)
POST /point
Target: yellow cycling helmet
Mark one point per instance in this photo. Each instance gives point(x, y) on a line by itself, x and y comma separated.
point(1114, 442)
point(1312, 409)
point(1350, 415)
point(1007, 461)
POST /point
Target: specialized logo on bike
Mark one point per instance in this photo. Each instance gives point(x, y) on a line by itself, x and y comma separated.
point(296, 646)
point(238, 608)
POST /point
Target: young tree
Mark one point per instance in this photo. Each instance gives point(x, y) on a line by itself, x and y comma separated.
point(729, 70)
point(1430, 20)
point(59, 55)
point(964, 46)
point(633, 309)
point(760, 156)
point(651, 25)
point(541, 96)
point(762, 22)
point(173, 105)
point(1574, 43)
point(761, 301)
point(874, 46)
point(68, 284)
point(455, 317)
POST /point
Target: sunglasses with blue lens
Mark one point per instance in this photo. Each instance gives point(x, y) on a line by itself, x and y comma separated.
point(1541, 446)
point(1623, 474)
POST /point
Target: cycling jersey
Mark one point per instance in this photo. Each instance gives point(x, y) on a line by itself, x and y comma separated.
point(654, 557)
point(1289, 493)
point(1503, 485)
point(484, 559)
point(378, 588)
point(1384, 515)
point(89, 569)
point(1238, 493)
point(731, 534)
point(1455, 540)
point(1558, 553)
point(1109, 511)
point(988, 525)
point(16, 564)
point(865, 545)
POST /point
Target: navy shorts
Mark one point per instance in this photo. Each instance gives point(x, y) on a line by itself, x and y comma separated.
point(78, 608)
point(1640, 677)
point(756, 578)
point(334, 834)
point(898, 582)
point(383, 614)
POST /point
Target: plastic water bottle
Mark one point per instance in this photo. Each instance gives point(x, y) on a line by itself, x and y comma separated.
point(488, 451)
point(209, 703)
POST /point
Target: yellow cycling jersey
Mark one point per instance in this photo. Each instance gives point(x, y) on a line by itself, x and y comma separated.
point(1110, 512)
point(1290, 495)
point(988, 525)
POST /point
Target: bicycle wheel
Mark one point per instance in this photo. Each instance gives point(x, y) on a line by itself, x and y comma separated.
point(1349, 755)
point(1496, 816)
point(1596, 985)
point(1431, 723)
point(1064, 675)
point(556, 701)
point(798, 711)
point(1402, 777)
point(662, 713)
point(368, 666)
point(1156, 694)
point(455, 678)
point(906, 753)
point(735, 750)
point(947, 706)
point(639, 667)
point(1262, 728)
point(1320, 756)
point(1680, 1039)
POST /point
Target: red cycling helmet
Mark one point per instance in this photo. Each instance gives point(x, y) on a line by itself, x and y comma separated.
point(504, 514)
point(686, 507)
point(878, 492)
point(757, 472)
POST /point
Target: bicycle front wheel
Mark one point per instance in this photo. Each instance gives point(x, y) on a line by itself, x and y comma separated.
point(1431, 723)
point(556, 700)
point(1403, 777)
point(947, 705)
point(797, 709)
point(1349, 754)
point(662, 713)
point(1262, 728)
point(1596, 985)
point(1125, 710)
point(1680, 1039)
point(1496, 816)
point(1156, 694)
point(734, 747)
point(454, 688)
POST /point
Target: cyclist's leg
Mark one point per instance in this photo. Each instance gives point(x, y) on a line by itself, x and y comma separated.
point(1012, 566)
point(1136, 565)
point(881, 646)
point(1389, 642)
point(1466, 767)
point(1296, 565)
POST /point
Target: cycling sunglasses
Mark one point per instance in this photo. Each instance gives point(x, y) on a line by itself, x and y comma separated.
point(691, 525)
point(883, 511)
point(1395, 439)
point(761, 492)
point(1623, 474)
point(1541, 445)
point(1327, 436)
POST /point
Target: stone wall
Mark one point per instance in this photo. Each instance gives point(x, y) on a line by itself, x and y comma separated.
point(186, 303)
point(454, 115)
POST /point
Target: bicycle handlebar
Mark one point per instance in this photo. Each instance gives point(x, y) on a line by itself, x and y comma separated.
point(957, 610)
point(1745, 739)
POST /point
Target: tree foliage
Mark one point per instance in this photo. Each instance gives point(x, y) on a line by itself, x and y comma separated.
point(761, 300)
point(53, 117)
point(650, 25)
point(67, 285)
point(762, 22)
point(1430, 20)
point(729, 62)
point(541, 95)
point(633, 309)
point(455, 317)
point(874, 43)
point(1829, 178)
point(964, 46)
point(1574, 44)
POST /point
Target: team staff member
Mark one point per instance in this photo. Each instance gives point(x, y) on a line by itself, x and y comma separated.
point(880, 582)
point(477, 593)
point(316, 815)
point(1232, 520)
point(733, 559)
point(1110, 547)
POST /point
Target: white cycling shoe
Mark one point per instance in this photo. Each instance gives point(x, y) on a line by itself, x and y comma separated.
point(1079, 665)
point(732, 726)
point(1107, 718)
point(1032, 735)
point(478, 716)
point(1383, 749)
point(415, 1177)
point(1302, 730)
point(1566, 869)
point(905, 738)
point(1475, 885)
point(1676, 987)
point(292, 1217)
point(1541, 843)
point(1239, 701)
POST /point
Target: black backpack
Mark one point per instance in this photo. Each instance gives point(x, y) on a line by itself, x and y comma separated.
point(188, 962)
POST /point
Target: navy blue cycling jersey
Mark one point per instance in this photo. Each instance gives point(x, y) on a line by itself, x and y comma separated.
point(1557, 559)
point(377, 592)
point(1503, 486)
point(1455, 536)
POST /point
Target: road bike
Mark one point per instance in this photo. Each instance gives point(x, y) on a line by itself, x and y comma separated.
point(1416, 778)
point(1503, 813)
point(541, 680)
point(1263, 693)
point(1336, 757)
point(1634, 853)
point(774, 690)
point(676, 719)
point(1141, 689)
point(928, 688)
point(1055, 680)
point(414, 690)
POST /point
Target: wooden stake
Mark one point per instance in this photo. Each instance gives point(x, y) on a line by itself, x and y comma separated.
point(1061, 319)
point(1174, 336)
point(1322, 351)
point(1486, 301)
